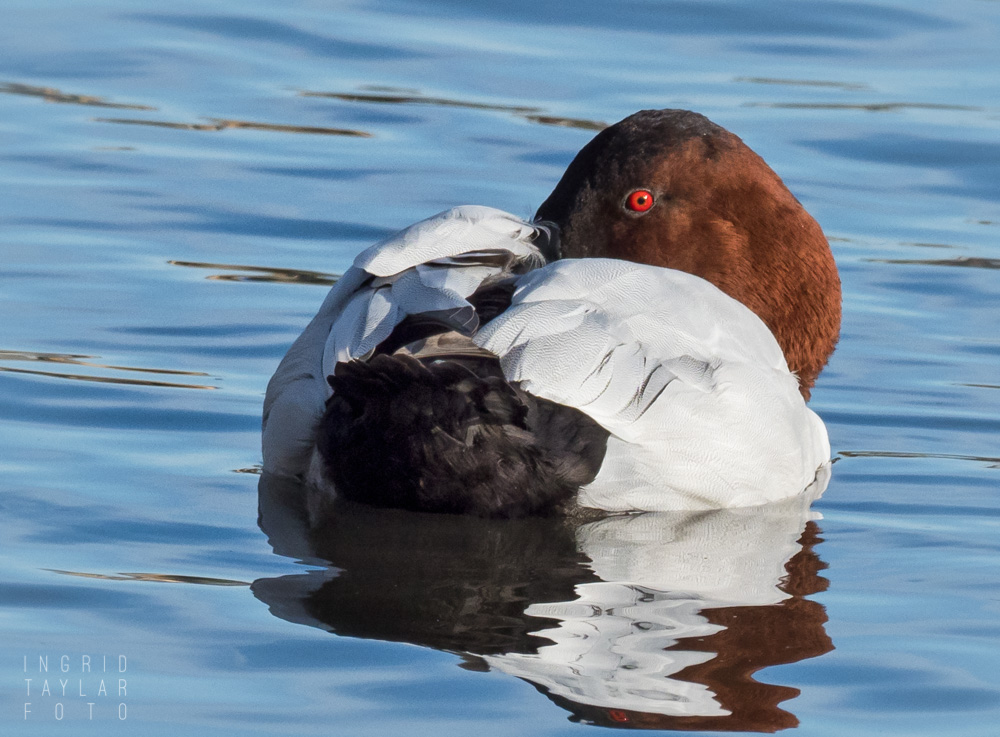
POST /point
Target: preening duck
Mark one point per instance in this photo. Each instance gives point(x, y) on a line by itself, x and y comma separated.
point(648, 342)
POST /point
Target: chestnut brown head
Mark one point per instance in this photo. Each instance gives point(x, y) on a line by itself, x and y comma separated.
point(671, 188)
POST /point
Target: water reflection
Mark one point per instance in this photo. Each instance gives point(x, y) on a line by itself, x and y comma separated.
point(153, 577)
point(649, 621)
point(77, 360)
point(262, 273)
point(972, 262)
point(391, 96)
point(51, 94)
point(873, 107)
point(106, 379)
point(221, 124)
point(589, 125)
point(903, 454)
point(413, 97)
point(849, 86)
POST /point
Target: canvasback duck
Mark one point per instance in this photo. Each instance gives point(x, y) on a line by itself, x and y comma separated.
point(647, 343)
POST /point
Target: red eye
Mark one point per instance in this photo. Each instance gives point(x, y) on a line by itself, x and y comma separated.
point(640, 200)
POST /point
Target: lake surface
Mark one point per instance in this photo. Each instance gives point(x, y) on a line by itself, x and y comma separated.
point(179, 184)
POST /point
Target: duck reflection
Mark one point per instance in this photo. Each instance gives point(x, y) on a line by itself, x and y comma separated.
point(655, 620)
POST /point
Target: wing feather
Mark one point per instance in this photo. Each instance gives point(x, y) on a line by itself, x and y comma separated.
point(461, 231)
point(678, 372)
point(429, 269)
point(573, 336)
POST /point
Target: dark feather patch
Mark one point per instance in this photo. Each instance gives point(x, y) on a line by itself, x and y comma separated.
point(492, 299)
point(452, 436)
point(413, 328)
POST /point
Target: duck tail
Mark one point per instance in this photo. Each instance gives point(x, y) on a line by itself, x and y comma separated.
point(452, 436)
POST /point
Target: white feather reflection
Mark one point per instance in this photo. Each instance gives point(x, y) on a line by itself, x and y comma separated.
point(649, 621)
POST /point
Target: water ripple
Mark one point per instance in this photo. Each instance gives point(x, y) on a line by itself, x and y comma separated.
point(884, 509)
point(262, 273)
point(234, 222)
point(45, 597)
point(156, 577)
point(126, 411)
point(418, 99)
point(106, 379)
point(872, 107)
point(51, 94)
point(74, 358)
point(964, 261)
point(221, 124)
point(77, 360)
point(963, 423)
point(903, 454)
point(530, 114)
point(802, 83)
point(246, 28)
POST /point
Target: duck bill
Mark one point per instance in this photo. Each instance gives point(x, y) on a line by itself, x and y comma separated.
point(547, 241)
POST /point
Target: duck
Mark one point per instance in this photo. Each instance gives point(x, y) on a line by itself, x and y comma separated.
point(647, 342)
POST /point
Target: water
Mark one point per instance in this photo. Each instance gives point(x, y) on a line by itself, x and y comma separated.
point(178, 187)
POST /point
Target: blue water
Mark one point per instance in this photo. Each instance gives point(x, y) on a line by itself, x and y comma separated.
point(180, 182)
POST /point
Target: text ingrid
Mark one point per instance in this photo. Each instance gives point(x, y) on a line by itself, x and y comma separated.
point(97, 679)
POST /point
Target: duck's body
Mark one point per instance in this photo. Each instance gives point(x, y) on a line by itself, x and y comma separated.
point(453, 368)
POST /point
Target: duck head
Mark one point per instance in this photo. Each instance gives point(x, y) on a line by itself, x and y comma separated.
point(670, 188)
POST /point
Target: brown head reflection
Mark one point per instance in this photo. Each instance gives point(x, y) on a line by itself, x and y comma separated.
point(749, 639)
point(652, 621)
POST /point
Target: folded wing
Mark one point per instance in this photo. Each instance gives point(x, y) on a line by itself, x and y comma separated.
point(430, 268)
